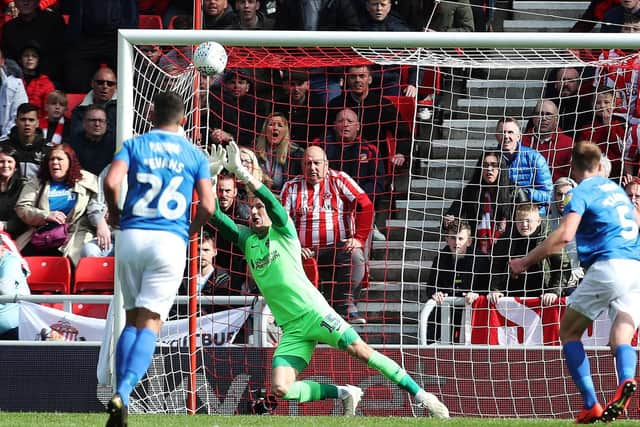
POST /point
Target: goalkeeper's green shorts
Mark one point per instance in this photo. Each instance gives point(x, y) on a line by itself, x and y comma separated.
point(300, 337)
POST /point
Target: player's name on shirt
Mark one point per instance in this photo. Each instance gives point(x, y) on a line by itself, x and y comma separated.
point(164, 162)
point(615, 198)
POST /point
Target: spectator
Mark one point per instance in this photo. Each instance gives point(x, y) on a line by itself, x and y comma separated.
point(44, 27)
point(544, 136)
point(234, 113)
point(217, 14)
point(592, 15)
point(527, 168)
point(359, 159)
point(152, 51)
point(247, 16)
point(333, 216)
point(179, 58)
point(59, 195)
point(304, 109)
point(27, 140)
point(528, 233)
point(378, 116)
point(608, 131)
point(229, 258)
point(378, 18)
point(632, 188)
point(250, 161)
point(12, 94)
point(92, 38)
point(13, 282)
point(55, 128)
point(565, 269)
point(453, 274)
point(614, 17)
point(279, 158)
point(10, 187)
point(317, 15)
point(486, 202)
point(102, 93)
point(37, 85)
point(455, 15)
point(574, 107)
point(93, 148)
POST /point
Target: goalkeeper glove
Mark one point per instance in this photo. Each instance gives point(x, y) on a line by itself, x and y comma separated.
point(233, 163)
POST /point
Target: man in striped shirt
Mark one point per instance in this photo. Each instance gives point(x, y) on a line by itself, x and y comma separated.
point(333, 216)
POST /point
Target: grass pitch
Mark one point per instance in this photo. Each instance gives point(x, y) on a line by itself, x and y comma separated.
point(31, 419)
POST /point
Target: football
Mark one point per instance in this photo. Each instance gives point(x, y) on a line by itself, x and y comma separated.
point(210, 58)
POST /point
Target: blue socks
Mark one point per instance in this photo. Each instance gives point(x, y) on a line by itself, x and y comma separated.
point(626, 360)
point(578, 364)
point(138, 361)
point(125, 342)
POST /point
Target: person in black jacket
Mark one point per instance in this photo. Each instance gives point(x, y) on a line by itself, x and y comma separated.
point(529, 231)
point(317, 15)
point(234, 112)
point(455, 272)
point(10, 187)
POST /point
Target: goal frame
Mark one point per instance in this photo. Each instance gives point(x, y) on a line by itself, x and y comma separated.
point(264, 39)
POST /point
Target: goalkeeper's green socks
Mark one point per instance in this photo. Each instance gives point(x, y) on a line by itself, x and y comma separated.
point(309, 391)
point(393, 372)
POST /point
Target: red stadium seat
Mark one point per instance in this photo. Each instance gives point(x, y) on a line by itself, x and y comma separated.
point(405, 106)
point(49, 275)
point(150, 22)
point(66, 18)
point(94, 276)
point(73, 100)
point(310, 266)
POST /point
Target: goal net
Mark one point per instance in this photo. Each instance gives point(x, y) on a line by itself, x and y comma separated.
point(426, 163)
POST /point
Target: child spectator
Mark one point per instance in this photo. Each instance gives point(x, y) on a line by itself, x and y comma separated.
point(37, 85)
point(528, 232)
point(452, 275)
point(632, 188)
point(53, 125)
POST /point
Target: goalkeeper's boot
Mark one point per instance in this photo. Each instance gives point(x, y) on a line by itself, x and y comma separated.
point(430, 402)
point(117, 412)
point(620, 400)
point(351, 399)
point(591, 415)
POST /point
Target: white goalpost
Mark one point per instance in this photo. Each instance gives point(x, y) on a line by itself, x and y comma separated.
point(479, 78)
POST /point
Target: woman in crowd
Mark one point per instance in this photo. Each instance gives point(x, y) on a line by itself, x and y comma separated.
point(59, 195)
point(486, 202)
point(279, 158)
point(10, 187)
point(250, 161)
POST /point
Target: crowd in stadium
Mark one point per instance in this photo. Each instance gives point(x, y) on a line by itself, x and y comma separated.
point(338, 127)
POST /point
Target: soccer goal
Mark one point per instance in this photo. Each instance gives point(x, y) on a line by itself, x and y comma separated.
point(481, 359)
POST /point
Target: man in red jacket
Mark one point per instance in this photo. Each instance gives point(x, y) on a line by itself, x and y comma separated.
point(543, 135)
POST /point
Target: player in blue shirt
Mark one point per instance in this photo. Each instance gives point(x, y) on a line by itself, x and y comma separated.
point(162, 169)
point(604, 223)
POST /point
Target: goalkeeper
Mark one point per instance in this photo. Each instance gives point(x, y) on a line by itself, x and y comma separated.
point(273, 253)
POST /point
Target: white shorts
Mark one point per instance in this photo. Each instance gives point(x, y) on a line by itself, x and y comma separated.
point(612, 285)
point(150, 266)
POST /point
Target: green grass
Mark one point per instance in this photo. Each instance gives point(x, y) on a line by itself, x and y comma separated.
point(31, 419)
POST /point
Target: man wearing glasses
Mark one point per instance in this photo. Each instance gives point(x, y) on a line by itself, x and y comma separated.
point(103, 94)
point(544, 135)
point(94, 150)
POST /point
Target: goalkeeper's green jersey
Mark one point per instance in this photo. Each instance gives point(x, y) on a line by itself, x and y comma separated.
point(275, 261)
